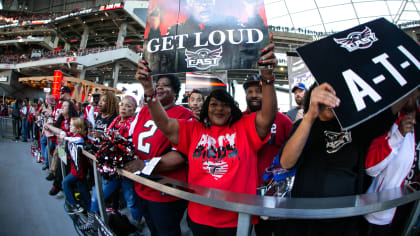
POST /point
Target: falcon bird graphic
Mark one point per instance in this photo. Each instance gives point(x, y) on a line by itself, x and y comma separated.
point(357, 40)
point(203, 58)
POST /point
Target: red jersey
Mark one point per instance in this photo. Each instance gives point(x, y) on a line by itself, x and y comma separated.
point(65, 126)
point(279, 132)
point(57, 110)
point(150, 142)
point(91, 113)
point(220, 157)
point(123, 128)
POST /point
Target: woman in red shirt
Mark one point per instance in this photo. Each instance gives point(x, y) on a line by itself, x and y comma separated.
point(221, 147)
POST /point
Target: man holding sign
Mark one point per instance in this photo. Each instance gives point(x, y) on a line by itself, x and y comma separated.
point(329, 160)
point(329, 153)
point(370, 66)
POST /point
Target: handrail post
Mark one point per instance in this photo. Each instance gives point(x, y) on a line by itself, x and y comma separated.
point(63, 169)
point(99, 193)
point(412, 219)
point(244, 224)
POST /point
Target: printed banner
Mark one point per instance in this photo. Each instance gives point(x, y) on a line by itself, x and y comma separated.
point(370, 66)
point(204, 35)
point(58, 77)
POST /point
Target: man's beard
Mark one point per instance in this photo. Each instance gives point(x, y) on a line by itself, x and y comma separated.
point(254, 108)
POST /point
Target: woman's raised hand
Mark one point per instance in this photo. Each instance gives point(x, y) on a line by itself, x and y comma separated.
point(144, 77)
point(268, 59)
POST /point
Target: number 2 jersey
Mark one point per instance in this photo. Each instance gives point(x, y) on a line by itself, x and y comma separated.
point(150, 142)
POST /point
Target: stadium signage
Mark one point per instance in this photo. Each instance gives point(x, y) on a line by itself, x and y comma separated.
point(73, 14)
point(215, 38)
point(218, 38)
point(111, 6)
point(378, 66)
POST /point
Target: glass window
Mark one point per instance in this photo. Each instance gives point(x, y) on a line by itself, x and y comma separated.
point(343, 25)
point(325, 3)
point(409, 16)
point(367, 9)
point(317, 28)
point(367, 19)
point(306, 19)
point(410, 7)
point(394, 6)
point(275, 9)
point(337, 13)
point(283, 21)
point(300, 5)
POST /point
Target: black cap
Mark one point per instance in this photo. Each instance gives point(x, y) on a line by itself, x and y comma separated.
point(252, 80)
point(65, 89)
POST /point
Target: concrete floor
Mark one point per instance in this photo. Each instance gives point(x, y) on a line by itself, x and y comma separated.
point(25, 206)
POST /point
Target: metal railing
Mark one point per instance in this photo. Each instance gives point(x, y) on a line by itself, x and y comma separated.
point(298, 208)
point(6, 126)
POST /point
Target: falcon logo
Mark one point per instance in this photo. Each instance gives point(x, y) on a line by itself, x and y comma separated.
point(335, 141)
point(357, 40)
point(203, 58)
point(216, 169)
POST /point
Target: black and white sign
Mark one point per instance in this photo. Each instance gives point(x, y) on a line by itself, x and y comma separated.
point(370, 66)
point(4, 78)
point(209, 35)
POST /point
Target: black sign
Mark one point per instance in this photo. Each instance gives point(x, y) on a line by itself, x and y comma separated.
point(370, 66)
point(204, 35)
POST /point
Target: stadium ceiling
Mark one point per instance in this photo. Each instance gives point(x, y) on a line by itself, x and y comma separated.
point(332, 16)
point(103, 28)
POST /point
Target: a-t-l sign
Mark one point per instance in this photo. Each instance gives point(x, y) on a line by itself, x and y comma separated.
point(370, 66)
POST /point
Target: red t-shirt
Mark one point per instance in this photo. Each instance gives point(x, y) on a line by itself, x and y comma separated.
point(279, 132)
point(122, 128)
point(150, 142)
point(223, 158)
point(82, 162)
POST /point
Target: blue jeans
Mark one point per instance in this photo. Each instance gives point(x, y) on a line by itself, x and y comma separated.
point(25, 129)
point(44, 149)
point(111, 185)
point(82, 187)
point(163, 218)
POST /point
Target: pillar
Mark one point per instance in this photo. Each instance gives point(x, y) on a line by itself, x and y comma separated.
point(56, 41)
point(121, 35)
point(115, 74)
point(84, 39)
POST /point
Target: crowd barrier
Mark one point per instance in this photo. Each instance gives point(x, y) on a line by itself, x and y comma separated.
point(297, 208)
point(6, 126)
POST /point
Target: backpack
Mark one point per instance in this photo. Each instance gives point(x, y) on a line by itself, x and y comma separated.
point(16, 110)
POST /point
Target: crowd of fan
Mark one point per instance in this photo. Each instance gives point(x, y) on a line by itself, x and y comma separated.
point(10, 17)
point(218, 146)
point(15, 59)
